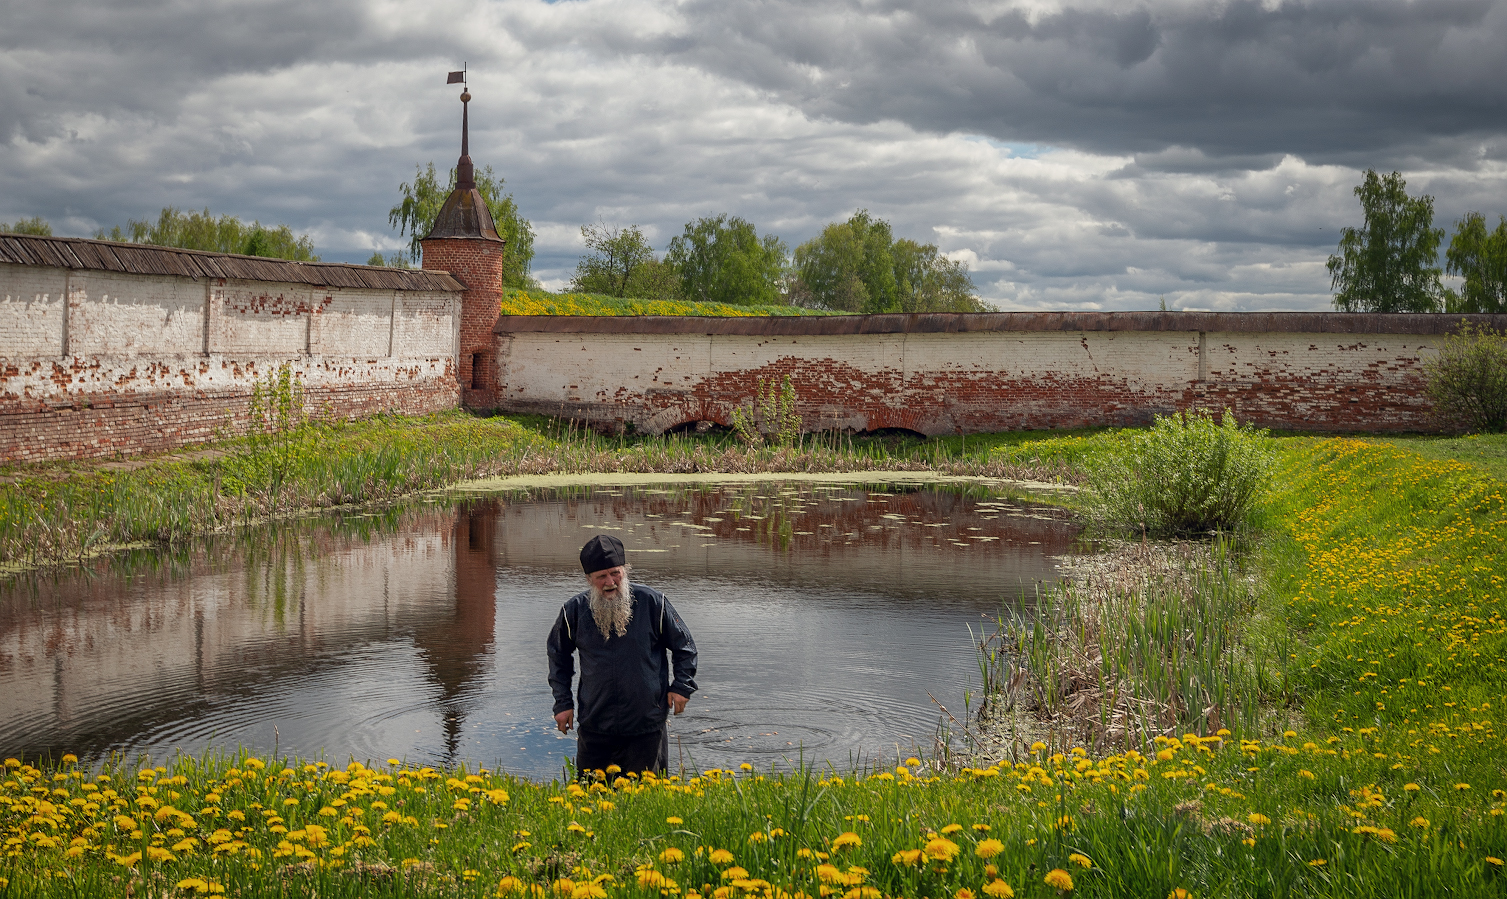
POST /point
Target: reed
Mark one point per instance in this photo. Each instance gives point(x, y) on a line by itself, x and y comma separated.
point(1149, 642)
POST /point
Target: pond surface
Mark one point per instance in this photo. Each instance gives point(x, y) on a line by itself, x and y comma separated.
point(827, 617)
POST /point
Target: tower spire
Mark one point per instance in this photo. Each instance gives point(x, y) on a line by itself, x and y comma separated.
point(465, 172)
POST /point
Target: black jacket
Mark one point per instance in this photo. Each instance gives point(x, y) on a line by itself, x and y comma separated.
point(623, 679)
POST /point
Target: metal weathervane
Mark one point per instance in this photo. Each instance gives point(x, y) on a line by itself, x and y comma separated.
point(464, 177)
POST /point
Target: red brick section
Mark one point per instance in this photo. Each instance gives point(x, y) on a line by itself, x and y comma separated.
point(478, 265)
point(124, 424)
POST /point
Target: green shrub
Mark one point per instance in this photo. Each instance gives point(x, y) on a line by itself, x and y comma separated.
point(1187, 473)
point(1468, 380)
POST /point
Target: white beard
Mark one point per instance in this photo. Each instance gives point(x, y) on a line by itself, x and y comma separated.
point(613, 614)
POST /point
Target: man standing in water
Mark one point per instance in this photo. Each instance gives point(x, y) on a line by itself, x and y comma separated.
point(623, 632)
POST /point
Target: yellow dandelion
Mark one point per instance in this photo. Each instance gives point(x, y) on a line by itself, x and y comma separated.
point(907, 857)
point(1318, 863)
point(963, 893)
point(720, 857)
point(941, 849)
point(1081, 860)
point(1420, 822)
point(845, 840)
point(1179, 893)
point(1059, 880)
point(998, 889)
point(1411, 788)
point(1493, 860)
point(672, 856)
point(1258, 818)
point(989, 848)
point(951, 828)
point(673, 820)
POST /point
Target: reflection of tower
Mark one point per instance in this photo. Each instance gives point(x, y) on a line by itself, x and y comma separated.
point(456, 650)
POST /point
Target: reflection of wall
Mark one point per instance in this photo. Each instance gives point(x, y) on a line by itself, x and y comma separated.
point(963, 373)
point(91, 659)
point(909, 559)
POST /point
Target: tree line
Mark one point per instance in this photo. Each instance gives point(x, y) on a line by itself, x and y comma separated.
point(1391, 262)
point(852, 266)
point(856, 265)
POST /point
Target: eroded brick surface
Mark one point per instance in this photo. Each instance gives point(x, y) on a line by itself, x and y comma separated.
point(946, 383)
point(133, 363)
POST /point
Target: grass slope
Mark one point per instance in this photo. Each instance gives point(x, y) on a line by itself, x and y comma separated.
point(1388, 567)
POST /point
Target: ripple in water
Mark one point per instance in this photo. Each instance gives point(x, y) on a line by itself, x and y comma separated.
point(830, 619)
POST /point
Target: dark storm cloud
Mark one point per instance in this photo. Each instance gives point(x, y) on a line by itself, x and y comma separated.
point(1341, 80)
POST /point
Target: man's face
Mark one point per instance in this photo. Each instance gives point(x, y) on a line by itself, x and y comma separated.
point(609, 581)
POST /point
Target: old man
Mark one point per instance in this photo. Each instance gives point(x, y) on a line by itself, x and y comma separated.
point(630, 640)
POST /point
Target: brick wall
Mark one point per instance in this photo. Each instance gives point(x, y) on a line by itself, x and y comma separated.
point(971, 373)
point(478, 265)
point(136, 363)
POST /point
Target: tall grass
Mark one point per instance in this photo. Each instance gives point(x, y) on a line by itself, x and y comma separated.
point(58, 514)
point(1150, 643)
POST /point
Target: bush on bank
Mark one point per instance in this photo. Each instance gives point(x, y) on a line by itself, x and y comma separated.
point(1188, 473)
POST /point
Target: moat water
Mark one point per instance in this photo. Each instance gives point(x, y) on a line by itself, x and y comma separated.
point(832, 621)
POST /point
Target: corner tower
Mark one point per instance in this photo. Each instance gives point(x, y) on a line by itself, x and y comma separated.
point(464, 242)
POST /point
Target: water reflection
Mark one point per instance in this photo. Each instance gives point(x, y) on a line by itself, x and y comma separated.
point(827, 616)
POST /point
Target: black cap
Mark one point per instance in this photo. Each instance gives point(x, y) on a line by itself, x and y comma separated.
point(602, 552)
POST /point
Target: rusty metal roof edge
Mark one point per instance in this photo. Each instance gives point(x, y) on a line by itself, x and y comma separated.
point(207, 264)
point(1358, 323)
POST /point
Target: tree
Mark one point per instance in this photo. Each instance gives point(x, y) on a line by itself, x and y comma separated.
point(391, 260)
point(620, 263)
point(226, 234)
point(1390, 264)
point(424, 197)
point(848, 267)
point(36, 225)
point(927, 281)
point(1481, 258)
point(721, 259)
point(858, 266)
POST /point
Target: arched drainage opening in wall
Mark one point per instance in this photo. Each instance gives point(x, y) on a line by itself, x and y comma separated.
point(699, 427)
point(892, 435)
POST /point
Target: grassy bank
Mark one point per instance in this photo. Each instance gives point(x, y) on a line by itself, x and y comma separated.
point(1383, 571)
point(60, 513)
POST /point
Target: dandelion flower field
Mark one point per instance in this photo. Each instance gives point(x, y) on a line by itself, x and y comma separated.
point(1388, 780)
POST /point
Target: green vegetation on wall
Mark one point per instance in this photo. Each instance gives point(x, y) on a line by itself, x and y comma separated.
point(542, 302)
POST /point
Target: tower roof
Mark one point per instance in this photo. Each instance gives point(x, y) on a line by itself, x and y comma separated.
point(465, 214)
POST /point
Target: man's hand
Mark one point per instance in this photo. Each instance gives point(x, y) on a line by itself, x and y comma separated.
point(677, 702)
point(566, 718)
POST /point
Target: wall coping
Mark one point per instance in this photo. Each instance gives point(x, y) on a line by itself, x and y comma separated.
point(83, 254)
point(985, 322)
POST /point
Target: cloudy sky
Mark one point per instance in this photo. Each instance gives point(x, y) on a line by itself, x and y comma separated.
point(1077, 154)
